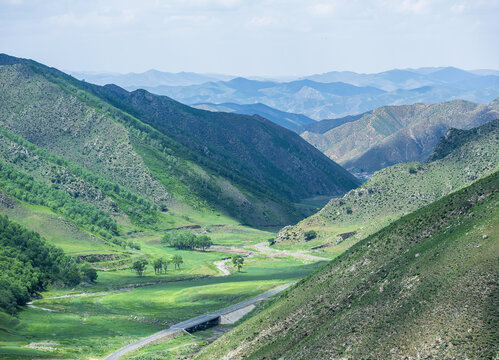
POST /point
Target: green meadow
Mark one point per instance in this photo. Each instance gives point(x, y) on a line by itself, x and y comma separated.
point(121, 307)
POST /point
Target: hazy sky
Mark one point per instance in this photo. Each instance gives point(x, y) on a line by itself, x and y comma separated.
point(252, 37)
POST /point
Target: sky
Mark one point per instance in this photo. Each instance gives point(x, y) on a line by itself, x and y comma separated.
point(252, 37)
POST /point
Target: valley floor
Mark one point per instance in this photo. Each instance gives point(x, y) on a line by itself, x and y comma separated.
point(92, 321)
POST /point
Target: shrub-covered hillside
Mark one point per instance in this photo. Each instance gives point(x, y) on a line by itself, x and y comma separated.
point(424, 287)
point(133, 152)
point(402, 188)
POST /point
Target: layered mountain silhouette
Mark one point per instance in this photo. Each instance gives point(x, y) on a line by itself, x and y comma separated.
point(324, 96)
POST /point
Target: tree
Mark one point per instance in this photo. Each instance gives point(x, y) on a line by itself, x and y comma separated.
point(179, 239)
point(140, 266)
point(238, 262)
point(203, 242)
point(166, 262)
point(177, 260)
point(158, 266)
point(72, 276)
point(89, 273)
point(182, 240)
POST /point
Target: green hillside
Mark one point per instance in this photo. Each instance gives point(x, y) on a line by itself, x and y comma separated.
point(131, 154)
point(400, 189)
point(392, 134)
point(423, 287)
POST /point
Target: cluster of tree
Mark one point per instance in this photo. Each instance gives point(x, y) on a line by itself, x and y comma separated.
point(158, 264)
point(139, 209)
point(185, 240)
point(28, 264)
point(24, 187)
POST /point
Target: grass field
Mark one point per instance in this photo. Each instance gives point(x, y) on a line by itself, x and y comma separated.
point(122, 307)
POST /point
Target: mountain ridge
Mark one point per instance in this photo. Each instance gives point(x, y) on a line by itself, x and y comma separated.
point(393, 134)
point(155, 145)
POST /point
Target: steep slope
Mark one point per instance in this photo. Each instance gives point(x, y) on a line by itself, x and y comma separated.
point(160, 150)
point(285, 119)
point(393, 134)
point(423, 287)
point(460, 158)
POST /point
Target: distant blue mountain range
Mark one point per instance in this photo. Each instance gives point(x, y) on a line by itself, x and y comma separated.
point(322, 96)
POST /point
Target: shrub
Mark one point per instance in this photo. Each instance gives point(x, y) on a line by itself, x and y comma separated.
point(309, 235)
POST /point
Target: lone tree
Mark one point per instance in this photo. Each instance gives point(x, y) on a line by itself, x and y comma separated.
point(139, 266)
point(177, 260)
point(158, 266)
point(238, 262)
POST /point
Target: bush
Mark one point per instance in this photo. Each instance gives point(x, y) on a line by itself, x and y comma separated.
point(309, 235)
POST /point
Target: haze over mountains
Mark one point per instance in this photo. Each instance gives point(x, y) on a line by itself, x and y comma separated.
point(321, 96)
point(147, 79)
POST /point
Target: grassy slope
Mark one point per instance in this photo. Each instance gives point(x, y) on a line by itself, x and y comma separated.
point(395, 191)
point(424, 286)
point(393, 134)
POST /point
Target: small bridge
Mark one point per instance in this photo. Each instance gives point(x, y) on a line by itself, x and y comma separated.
point(195, 324)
